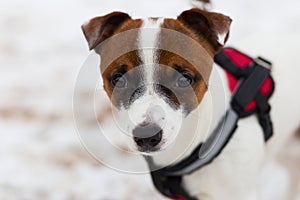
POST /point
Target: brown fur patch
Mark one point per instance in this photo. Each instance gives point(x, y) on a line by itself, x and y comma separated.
point(207, 25)
point(130, 24)
point(114, 38)
point(128, 61)
point(197, 60)
point(199, 65)
point(180, 27)
point(100, 28)
point(191, 97)
point(194, 49)
point(117, 47)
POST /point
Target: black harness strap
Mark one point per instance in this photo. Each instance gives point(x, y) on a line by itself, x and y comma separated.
point(168, 180)
point(170, 186)
point(207, 151)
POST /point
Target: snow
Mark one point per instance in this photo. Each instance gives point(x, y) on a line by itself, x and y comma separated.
point(41, 51)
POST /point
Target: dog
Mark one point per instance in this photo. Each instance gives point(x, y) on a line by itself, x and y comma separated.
point(159, 74)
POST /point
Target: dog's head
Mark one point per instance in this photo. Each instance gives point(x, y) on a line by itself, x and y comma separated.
point(155, 89)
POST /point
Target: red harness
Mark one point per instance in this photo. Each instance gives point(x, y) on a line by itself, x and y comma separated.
point(242, 61)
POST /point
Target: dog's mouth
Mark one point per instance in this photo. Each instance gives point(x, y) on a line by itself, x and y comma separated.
point(148, 150)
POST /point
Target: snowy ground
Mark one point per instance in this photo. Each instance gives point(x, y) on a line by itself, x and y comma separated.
point(41, 50)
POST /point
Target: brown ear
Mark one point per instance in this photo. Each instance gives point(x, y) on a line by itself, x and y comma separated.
point(209, 25)
point(100, 28)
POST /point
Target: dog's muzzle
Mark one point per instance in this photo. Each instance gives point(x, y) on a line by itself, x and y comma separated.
point(147, 137)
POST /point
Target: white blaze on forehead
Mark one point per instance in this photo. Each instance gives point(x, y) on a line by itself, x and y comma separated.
point(147, 43)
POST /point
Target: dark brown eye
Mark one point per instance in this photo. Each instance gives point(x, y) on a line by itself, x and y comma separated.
point(119, 81)
point(185, 80)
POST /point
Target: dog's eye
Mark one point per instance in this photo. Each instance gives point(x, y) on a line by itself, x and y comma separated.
point(119, 81)
point(185, 80)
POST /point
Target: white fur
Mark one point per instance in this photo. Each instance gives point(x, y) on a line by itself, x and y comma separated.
point(147, 41)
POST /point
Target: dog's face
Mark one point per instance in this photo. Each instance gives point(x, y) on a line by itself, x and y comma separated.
point(155, 89)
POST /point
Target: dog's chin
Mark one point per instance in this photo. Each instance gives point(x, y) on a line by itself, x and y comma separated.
point(149, 151)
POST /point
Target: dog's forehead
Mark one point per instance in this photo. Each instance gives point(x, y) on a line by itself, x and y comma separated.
point(160, 35)
point(148, 35)
point(148, 40)
point(172, 35)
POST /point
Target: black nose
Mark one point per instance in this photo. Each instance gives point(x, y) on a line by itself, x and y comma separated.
point(147, 136)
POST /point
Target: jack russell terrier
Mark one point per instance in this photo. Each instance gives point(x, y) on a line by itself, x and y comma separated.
point(161, 73)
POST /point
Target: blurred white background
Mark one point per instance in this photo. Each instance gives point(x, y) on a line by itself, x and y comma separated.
point(41, 51)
